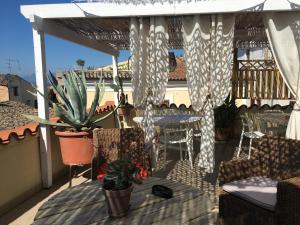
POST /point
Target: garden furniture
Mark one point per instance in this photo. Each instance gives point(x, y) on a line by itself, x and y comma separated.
point(121, 143)
point(263, 190)
point(248, 132)
point(85, 204)
point(177, 128)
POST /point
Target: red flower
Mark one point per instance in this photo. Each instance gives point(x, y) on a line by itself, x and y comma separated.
point(137, 176)
point(101, 176)
point(144, 173)
point(102, 172)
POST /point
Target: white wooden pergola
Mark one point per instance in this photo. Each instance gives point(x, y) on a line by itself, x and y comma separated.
point(103, 26)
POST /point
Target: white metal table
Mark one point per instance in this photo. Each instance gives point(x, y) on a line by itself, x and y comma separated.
point(183, 120)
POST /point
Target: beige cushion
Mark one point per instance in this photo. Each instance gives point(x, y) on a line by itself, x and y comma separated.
point(257, 190)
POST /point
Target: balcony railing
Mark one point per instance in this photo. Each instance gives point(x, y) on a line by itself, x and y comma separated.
point(259, 79)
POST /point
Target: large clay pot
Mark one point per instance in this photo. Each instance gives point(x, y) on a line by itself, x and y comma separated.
point(118, 201)
point(76, 147)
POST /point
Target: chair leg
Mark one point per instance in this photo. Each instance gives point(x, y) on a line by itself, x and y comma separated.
point(190, 146)
point(70, 176)
point(165, 152)
point(180, 148)
point(240, 145)
point(250, 146)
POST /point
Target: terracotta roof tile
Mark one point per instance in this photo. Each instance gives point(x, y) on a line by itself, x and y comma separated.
point(18, 132)
point(11, 114)
point(178, 74)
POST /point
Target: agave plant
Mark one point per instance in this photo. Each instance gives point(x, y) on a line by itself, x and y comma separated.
point(72, 100)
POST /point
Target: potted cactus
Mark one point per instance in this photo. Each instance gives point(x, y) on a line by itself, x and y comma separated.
point(76, 138)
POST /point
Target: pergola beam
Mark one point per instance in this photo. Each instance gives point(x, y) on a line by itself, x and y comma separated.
point(102, 9)
point(59, 31)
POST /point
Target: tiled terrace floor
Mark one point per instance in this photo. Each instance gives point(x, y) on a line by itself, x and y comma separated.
point(176, 170)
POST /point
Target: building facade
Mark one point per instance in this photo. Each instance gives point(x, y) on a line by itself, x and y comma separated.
point(15, 88)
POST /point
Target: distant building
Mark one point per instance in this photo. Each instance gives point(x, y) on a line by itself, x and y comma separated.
point(15, 88)
point(254, 54)
point(176, 93)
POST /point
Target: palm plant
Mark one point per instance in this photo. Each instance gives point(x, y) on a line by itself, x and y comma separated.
point(80, 62)
point(72, 100)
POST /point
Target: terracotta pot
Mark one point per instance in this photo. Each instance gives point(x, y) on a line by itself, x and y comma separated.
point(76, 147)
point(118, 201)
point(222, 134)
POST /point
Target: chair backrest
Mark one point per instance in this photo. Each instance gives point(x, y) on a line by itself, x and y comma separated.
point(247, 124)
point(278, 157)
point(124, 143)
point(252, 123)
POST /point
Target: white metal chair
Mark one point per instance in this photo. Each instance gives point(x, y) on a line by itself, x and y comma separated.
point(177, 135)
point(248, 132)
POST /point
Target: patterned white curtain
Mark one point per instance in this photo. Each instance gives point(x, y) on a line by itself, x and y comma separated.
point(149, 65)
point(283, 31)
point(208, 42)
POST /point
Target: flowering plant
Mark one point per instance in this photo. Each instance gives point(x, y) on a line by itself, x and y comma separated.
point(120, 174)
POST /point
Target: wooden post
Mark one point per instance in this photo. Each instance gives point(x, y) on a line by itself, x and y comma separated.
point(43, 107)
point(234, 73)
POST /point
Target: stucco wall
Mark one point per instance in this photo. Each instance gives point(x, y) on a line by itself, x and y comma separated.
point(23, 87)
point(20, 169)
point(176, 96)
point(4, 94)
point(108, 96)
point(58, 168)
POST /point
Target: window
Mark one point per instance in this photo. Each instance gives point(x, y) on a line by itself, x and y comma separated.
point(35, 104)
point(28, 102)
point(15, 91)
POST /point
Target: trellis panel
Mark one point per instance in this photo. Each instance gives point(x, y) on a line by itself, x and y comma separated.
point(259, 79)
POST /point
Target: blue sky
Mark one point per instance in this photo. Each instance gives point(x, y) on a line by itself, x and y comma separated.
point(16, 43)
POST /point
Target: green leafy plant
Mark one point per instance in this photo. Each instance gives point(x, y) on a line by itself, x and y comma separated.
point(120, 174)
point(72, 100)
point(225, 114)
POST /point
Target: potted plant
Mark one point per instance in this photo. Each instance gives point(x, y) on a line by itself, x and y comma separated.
point(76, 138)
point(224, 118)
point(118, 178)
point(124, 108)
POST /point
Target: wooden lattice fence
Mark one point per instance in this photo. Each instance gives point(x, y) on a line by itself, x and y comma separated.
point(258, 80)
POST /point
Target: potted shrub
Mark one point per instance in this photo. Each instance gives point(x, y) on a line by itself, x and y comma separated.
point(224, 118)
point(118, 178)
point(124, 108)
point(76, 137)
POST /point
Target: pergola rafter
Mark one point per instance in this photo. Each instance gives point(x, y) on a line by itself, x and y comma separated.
point(115, 31)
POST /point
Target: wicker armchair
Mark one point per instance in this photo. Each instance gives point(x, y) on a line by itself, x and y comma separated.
point(125, 143)
point(276, 158)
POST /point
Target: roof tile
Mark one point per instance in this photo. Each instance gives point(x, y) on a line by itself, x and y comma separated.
point(177, 75)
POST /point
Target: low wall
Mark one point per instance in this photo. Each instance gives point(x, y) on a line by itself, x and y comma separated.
point(20, 166)
point(20, 169)
point(58, 168)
